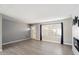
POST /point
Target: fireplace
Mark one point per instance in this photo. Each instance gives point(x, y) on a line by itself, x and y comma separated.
point(76, 43)
point(75, 35)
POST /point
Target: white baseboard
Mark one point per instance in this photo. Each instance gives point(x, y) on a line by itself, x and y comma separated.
point(64, 43)
point(67, 44)
point(57, 42)
point(14, 41)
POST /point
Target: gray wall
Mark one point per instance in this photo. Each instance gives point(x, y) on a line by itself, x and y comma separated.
point(67, 23)
point(13, 31)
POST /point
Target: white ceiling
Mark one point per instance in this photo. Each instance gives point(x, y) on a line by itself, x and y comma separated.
point(29, 13)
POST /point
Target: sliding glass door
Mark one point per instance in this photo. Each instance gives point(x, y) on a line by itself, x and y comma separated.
point(51, 33)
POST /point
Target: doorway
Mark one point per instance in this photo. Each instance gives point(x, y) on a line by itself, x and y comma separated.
point(52, 32)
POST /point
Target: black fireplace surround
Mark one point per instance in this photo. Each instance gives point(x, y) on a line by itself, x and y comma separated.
point(76, 43)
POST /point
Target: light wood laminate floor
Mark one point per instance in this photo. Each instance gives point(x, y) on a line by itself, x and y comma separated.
point(35, 47)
